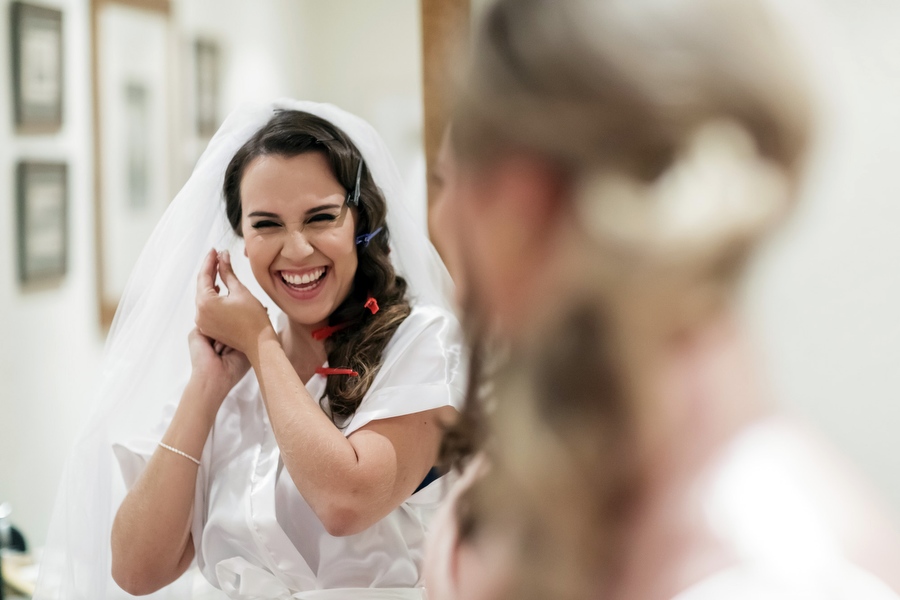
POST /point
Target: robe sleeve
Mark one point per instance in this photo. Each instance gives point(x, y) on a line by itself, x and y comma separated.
point(134, 454)
point(424, 368)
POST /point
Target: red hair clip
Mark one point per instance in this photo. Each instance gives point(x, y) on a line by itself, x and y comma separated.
point(328, 371)
point(372, 304)
point(325, 332)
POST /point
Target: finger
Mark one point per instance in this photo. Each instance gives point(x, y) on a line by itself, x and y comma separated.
point(219, 347)
point(226, 272)
point(206, 279)
point(197, 334)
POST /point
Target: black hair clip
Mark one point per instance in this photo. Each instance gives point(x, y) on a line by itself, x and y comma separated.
point(353, 197)
point(367, 237)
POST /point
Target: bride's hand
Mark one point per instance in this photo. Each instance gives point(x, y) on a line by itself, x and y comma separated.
point(237, 319)
point(215, 364)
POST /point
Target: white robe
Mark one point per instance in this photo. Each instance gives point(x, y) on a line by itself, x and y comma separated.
point(766, 499)
point(256, 537)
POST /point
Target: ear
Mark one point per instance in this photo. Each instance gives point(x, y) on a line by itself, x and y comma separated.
point(245, 251)
point(532, 193)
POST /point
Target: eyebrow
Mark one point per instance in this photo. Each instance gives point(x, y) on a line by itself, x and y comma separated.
point(315, 209)
point(322, 207)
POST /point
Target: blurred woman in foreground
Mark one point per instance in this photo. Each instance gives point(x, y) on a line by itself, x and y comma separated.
point(611, 167)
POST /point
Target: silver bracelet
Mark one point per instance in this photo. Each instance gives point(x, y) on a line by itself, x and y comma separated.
point(180, 453)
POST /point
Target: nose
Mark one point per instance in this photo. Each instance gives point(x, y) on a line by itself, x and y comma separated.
point(297, 246)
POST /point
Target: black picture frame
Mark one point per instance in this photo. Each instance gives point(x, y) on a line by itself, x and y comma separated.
point(38, 68)
point(42, 221)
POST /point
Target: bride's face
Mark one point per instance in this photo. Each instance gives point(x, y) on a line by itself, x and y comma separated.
point(299, 234)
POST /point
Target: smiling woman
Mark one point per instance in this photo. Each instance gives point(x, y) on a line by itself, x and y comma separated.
point(300, 196)
point(297, 245)
point(299, 459)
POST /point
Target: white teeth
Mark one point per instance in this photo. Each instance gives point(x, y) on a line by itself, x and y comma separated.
point(304, 279)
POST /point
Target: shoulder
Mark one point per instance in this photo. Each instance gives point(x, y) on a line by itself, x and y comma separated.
point(422, 316)
point(424, 367)
point(427, 348)
point(427, 327)
point(783, 496)
point(839, 581)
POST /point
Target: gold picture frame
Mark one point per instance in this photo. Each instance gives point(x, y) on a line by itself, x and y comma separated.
point(132, 135)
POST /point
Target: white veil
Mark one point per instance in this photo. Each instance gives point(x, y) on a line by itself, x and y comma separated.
point(147, 362)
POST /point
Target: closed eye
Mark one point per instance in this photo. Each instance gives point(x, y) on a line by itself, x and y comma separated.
point(264, 224)
point(322, 217)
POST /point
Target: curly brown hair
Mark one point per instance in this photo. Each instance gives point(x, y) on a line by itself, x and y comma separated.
point(360, 344)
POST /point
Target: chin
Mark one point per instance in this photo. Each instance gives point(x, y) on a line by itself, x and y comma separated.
point(307, 317)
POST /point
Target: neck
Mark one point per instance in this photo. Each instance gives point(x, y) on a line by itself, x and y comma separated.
point(707, 390)
point(708, 385)
point(304, 352)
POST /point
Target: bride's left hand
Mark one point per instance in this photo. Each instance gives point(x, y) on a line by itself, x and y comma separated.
point(237, 319)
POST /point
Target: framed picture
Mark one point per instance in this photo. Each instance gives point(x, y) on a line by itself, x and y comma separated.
point(206, 56)
point(37, 53)
point(133, 135)
point(137, 128)
point(42, 191)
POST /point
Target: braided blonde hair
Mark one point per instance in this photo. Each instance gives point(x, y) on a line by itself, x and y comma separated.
point(683, 127)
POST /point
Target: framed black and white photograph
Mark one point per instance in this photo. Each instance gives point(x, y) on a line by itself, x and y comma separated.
point(206, 54)
point(137, 128)
point(133, 127)
point(37, 54)
point(42, 192)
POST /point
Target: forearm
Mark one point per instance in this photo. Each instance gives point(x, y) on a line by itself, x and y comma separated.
point(151, 542)
point(322, 462)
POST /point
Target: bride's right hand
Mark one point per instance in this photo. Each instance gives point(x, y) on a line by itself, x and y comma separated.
point(216, 365)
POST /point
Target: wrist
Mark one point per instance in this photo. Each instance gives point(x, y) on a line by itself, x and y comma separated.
point(255, 327)
point(267, 337)
point(206, 392)
point(193, 419)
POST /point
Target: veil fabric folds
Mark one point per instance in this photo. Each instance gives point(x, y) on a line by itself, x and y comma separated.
point(147, 363)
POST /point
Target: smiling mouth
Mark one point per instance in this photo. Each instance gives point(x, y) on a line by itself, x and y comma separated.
point(307, 281)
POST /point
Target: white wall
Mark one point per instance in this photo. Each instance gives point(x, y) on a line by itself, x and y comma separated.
point(258, 39)
point(258, 43)
point(825, 296)
point(50, 339)
point(367, 58)
point(363, 56)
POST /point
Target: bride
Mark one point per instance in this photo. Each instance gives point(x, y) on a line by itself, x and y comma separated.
point(322, 363)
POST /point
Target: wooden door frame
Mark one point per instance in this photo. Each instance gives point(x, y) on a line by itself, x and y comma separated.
point(445, 31)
